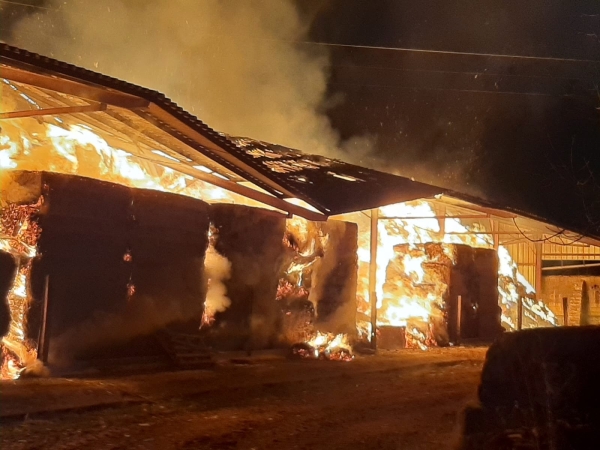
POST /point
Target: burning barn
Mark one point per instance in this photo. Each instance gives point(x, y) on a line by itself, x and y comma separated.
point(128, 228)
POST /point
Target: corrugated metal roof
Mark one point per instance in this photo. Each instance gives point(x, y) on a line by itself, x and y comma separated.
point(330, 186)
point(341, 187)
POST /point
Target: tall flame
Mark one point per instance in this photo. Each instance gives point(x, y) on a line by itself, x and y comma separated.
point(78, 150)
point(18, 236)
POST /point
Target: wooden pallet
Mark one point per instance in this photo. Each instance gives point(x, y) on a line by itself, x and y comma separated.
point(187, 351)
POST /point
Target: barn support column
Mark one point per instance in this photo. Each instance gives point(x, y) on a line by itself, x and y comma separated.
point(373, 276)
point(44, 339)
point(495, 234)
point(538, 270)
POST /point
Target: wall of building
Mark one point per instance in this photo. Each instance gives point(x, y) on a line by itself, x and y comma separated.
point(574, 252)
point(582, 294)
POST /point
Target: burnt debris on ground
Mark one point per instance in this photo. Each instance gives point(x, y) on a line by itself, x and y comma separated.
point(408, 399)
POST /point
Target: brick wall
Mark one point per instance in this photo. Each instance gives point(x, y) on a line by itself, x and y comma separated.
point(583, 294)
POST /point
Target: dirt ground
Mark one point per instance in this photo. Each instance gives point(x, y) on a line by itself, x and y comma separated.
point(395, 400)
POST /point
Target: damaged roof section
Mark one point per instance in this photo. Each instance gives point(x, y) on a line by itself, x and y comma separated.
point(328, 186)
point(340, 186)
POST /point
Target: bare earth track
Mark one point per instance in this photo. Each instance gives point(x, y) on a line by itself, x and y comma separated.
point(395, 400)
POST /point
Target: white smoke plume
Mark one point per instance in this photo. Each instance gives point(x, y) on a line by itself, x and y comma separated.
point(217, 269)
point(239, 65)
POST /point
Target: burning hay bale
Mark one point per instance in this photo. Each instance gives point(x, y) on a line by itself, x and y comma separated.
point(137, 267)
point(303, 245)
point(320, 268)
point(317, 290)
point(335, 278)
point(415, 293)
point(298, 321)
point(422, 289)
point(421, 335)
point(8, 269)
point(251, 239)
point(514, 288)
point(19, 234)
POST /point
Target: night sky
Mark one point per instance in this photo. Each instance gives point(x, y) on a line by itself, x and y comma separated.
point(505, 128)
point(516, 130)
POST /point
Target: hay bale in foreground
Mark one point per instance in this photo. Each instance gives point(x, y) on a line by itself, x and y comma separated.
point(540, 389)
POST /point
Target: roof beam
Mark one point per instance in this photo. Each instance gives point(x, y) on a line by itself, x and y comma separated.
point(574, 266)
point(52, 111)
point(593, 256)
point(464, 216)
point(243, 169)
point(243, 190)
point(66, 86)
point(133, 134)
point(156, 138)
point(492, 233)
point(228, 185)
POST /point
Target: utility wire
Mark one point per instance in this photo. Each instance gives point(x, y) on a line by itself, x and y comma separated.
point(28, 5)
point(451, 52)
point(476, 91)
point(378, 47)
point(474, 73)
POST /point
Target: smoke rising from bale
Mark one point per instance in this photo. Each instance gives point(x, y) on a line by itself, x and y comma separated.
point(238, 65)
point(217, 269)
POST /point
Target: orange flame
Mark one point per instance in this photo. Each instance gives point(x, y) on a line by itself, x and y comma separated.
point(328, 346)
point(18, 236)
point(413, 224)
point(78, 150)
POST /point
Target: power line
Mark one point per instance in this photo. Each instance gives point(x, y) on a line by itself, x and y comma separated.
point(446, 89)
point(28, 5)
point(450, 52)
point(377, 47)
point(474, 73)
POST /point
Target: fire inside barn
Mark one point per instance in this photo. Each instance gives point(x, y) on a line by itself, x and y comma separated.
point(130, 229)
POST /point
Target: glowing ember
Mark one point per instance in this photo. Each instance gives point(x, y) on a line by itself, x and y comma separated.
point(18, 236)
point(325, 346)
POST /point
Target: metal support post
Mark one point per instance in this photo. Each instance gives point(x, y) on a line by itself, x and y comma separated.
point(373, 276)
point(44, 339)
